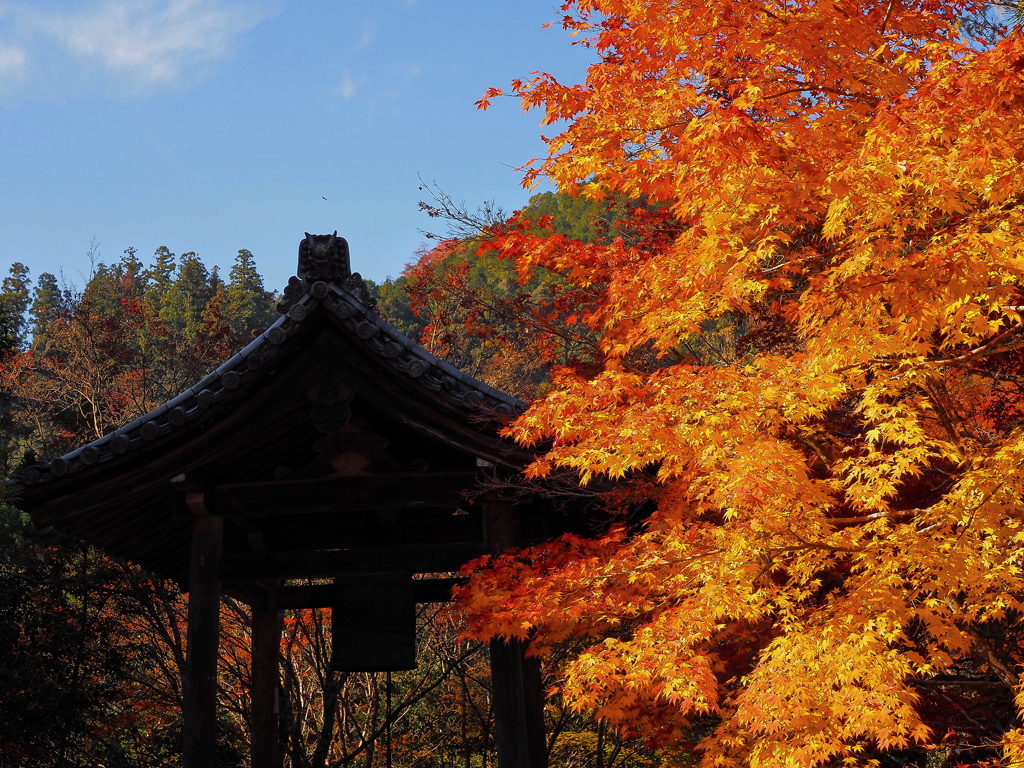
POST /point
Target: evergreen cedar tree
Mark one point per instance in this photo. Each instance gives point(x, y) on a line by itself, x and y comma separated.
point(833, 552)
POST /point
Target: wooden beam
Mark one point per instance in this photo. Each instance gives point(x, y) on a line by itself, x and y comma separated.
point(200, 683)
point(338, 494)
point(439, 558)
point(369, 529)
point(326, 595)
point(265, 684)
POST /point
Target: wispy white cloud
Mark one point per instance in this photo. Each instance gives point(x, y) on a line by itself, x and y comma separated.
point(382, 89)
point(12, 61)
point(142, 44)
point(366, 36)
point(407, 71)
point(347, 87)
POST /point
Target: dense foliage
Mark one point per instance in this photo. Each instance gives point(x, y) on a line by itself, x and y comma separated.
point(464, 302)
point(93, 648)
point(809, 377)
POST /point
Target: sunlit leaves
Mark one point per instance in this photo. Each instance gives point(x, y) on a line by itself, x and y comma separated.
point(838, 495)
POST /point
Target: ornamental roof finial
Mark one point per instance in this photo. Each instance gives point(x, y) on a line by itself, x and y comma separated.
point(324, 257)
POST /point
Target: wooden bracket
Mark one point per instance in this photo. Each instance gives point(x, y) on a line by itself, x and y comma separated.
point(194, 485)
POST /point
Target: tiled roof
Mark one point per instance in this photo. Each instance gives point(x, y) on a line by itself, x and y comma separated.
point(344, 296)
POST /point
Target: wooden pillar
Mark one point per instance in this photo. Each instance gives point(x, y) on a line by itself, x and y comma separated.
point(200, 683)
point(517, 692)
point(533, 704)
point(499, 524)
point(509, 705)
point(265, 685)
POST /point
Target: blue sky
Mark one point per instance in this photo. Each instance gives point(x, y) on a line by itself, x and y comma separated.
point(214, 125)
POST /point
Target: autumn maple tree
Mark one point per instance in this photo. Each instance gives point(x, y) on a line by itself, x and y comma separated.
point(464, 303)
point(829, 570)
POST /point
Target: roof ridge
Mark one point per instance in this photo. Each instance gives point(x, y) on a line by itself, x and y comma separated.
point(345, 297)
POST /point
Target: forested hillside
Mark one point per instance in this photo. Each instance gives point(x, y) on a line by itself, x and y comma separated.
point(92, 648)
point(466, 303)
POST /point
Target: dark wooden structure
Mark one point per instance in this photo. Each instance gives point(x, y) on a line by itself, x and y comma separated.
point(332, 447)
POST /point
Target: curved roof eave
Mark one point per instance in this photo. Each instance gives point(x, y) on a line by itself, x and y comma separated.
point(352, 312)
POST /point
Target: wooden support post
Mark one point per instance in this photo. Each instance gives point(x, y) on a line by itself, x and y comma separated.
point(266, 647)
point(533, 704)
point(508, 703)
point(517, 692)
point(499, 524)
point(200, 683)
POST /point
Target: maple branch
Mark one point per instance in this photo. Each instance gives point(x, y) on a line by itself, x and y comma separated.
point(818, 449)
point(964, 683)
point(991, 347)
point(558, 485)
point(872, 100)
point(943, 414)
point(961, 710)
point(770, 15)
point(780, 265)
point(981, 644)
point(488, 220)
point(693, 353)
point(995, 375)
point(1003, 671)
point(891, 514)
point(816, 545)
point(885, 19)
